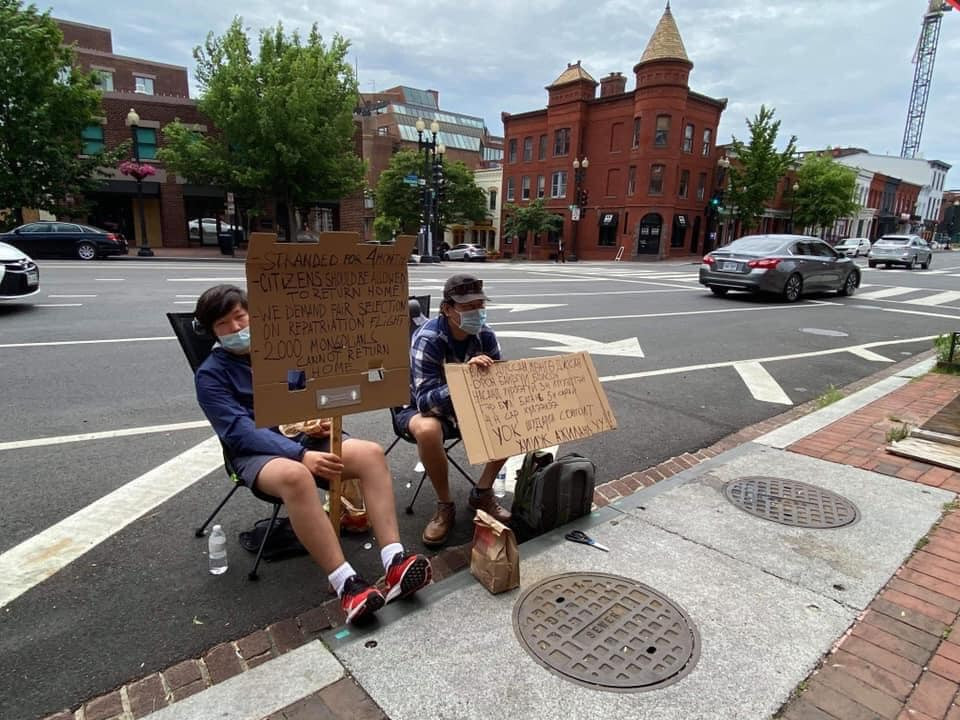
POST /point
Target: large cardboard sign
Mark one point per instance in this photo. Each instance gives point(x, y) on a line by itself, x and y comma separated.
point(524, 405)
point(329, 326)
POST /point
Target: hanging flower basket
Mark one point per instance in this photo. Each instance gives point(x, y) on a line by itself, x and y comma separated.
point(137, 170)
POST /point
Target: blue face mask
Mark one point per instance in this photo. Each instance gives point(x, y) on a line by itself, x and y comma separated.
point(238, 342)
point(471, 321)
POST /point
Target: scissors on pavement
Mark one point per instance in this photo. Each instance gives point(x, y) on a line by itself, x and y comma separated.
point(578, 536)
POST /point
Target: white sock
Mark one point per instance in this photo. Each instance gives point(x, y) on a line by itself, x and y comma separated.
point(387, 552)
point(339, 577)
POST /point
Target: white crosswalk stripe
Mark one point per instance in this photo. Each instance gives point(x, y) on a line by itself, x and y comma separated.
point(941, 298)
point(886, 292)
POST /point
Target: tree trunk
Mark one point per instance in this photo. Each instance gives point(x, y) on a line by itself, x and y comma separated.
point(291, 220)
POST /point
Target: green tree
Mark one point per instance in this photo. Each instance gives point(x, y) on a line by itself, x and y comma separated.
point(401, 205)
point(45, 103)
point(757, 167)
point(825, 192)
point(284, 119)
point(533, 218)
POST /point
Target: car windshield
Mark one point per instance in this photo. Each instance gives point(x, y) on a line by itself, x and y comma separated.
point(893, 242)
point(756, 245)
point(847, 243)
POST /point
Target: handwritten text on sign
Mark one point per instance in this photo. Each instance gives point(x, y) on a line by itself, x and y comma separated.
point(524, 405)
point(328, 322)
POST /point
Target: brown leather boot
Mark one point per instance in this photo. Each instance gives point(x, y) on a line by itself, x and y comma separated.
point(486, 501)
point(436, 531)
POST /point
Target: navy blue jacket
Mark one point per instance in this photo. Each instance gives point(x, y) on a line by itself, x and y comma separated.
point(225, 393)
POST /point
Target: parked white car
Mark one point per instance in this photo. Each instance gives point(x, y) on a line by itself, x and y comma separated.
point(853, 247)
point(466, 252)
point(209, 228)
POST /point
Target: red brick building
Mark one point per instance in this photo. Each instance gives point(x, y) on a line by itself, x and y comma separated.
point(650, 151)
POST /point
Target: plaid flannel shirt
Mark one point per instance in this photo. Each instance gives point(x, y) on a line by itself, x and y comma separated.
point(431, 348)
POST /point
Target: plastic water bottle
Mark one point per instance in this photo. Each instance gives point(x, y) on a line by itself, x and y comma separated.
point(500, 483)
point(217, 551)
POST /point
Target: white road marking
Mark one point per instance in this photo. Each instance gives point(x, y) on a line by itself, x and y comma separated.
point(110, 279)
point(942, 298)
point(761, 384)
point(58, 343)
point(102, 435)
point(184, 302)
point(886, 292)
point(71, 296)
point(210, 279)
point(608, 292)
point(34, 560)
point(58, 305)
point(518, 307)
point(870, 355)
point(628, 347)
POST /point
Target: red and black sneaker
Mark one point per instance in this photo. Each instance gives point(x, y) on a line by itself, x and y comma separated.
point(359, 599)
point(407, 574)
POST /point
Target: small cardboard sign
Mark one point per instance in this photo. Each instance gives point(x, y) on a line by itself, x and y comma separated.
point(520, 406)
point(329, 326)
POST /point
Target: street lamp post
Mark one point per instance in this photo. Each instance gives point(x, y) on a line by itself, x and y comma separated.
point(713, 209)
point(133, 121)
point(439, 193)
point(580, 198)
point(429, 148)
point(793, 202)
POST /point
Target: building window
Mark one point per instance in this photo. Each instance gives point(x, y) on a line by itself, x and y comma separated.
point(527, 149)
point(325, 219)
point(510, 189)
point(103, 79)
point(493, 199)
point(525, 187)
point(631, 179)
point(558, 184)
point(561, 142)
point(92, 136)
point(143, 85)
point(701, 186)
point(684, 188)
point(613, 182)
point(147, 140)
point(541, 186)
point(662, 136)
point(688, 139)
point(512, 152)
point(542, 154)
point(656, 179)
point(383, 131)
point(616, 130)
point(707, 141)
point(636, 132)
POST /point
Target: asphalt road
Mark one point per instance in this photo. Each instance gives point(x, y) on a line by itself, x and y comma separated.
point(141, 599)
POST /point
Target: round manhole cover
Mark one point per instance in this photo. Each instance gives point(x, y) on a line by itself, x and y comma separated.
point(606, 632)
point(790, 502)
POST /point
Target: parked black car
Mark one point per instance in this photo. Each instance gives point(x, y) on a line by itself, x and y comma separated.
point(61, 239)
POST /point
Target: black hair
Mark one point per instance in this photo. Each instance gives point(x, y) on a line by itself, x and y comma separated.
point(217, 302)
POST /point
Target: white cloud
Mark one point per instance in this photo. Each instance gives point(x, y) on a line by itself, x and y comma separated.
point(838, 72)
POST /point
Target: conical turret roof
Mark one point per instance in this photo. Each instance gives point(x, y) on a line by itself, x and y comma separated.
point(665, 43)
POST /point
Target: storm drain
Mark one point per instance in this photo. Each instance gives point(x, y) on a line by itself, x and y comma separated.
point(790, 502)
point(606, 632)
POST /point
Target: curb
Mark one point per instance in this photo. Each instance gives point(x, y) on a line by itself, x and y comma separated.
point(160, 689)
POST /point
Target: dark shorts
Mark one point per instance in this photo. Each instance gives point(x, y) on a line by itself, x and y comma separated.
point(248, 467)
point(405, 415)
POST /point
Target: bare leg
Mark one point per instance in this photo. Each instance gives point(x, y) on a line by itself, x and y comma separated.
point(428, 433)
point(290, 481)
point(364, 460)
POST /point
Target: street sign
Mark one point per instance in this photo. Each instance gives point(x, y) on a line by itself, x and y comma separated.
point(411, 180)
point(574, 213)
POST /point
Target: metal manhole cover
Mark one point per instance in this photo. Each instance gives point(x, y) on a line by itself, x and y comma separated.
point(790, 502)
point(606, 632)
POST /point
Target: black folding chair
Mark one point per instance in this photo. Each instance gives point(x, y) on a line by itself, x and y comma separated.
point(419, 306)
point(197, 346)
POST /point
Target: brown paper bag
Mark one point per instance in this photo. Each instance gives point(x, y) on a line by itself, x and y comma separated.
point(494, 561)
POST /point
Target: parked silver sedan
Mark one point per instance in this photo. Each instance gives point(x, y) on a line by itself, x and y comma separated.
point(784, 265)
point(908, 250)
point(466, 252)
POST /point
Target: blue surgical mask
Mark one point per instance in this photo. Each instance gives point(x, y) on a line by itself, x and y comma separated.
point(238, 342)
point(471, 321)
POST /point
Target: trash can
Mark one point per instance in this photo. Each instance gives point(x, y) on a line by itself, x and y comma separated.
point(226, 243)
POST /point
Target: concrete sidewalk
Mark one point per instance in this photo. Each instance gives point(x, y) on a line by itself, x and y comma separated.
point(844, 623)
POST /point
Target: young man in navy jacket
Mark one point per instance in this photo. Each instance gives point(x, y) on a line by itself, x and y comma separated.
point(284, 468)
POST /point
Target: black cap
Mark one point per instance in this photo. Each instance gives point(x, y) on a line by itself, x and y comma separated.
point(463, 288)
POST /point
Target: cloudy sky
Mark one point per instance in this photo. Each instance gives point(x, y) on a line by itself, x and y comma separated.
point(838, 72)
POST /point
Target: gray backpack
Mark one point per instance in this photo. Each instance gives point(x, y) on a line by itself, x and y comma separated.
point(550, 493)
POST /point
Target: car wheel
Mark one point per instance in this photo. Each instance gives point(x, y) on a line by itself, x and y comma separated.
point(719, 291)
point(926, 265)
point(445, 256)
point(793, 288)
point(849, 285)
point(87, 251)
point(914, 263)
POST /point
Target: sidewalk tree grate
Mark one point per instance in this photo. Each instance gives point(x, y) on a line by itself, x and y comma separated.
point(790, 502)
point(606, 632)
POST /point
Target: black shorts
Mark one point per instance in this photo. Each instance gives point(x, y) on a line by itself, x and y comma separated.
point(248, 467)
point(405, 415)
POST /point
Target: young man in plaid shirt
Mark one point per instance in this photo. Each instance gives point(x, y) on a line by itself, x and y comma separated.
point(458, 335)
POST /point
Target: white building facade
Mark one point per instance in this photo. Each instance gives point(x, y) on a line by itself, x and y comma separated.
point(487, 233)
